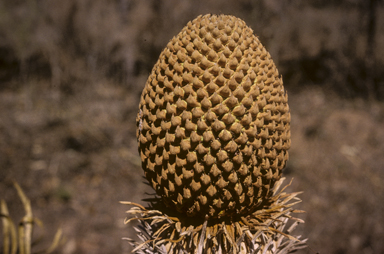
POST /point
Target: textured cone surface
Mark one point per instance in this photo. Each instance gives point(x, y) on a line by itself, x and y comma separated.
point(214, 124)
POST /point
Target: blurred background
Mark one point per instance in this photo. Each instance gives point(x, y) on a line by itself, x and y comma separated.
point(71, 73)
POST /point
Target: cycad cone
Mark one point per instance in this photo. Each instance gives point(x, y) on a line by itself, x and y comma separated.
point(214, 124)
point(213, 132)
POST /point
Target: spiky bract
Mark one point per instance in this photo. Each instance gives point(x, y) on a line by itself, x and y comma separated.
point(260, 232)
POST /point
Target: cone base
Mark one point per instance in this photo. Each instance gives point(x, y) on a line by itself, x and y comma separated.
point(268, 230)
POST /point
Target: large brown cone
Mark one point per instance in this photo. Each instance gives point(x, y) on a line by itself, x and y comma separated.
point(214, 123)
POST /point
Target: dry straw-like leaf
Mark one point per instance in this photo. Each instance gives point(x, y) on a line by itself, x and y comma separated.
point(260, 232)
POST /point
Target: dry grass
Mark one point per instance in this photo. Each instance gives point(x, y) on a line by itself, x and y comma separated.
point(20, 240)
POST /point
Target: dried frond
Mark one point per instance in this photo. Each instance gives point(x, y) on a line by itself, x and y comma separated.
point(263, 231)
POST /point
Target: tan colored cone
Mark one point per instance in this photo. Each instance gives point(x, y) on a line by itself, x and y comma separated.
point(214, 123)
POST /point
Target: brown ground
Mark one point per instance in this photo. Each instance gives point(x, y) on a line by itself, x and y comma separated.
point(71, 73)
